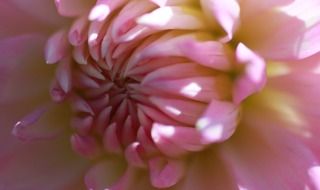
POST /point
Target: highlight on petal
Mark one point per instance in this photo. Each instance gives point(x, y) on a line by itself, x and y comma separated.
point(253, 77)
point(183, 111)
point(99, 12)
point(172, 18)
point(218, 122)
point(162, 3)
point(314, 173)
point(103, 8)
point(177, 137)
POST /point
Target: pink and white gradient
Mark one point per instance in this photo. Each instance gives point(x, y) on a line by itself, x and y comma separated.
point(159, 94)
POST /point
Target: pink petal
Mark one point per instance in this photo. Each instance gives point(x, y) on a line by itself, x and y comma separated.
point(156, 115)
point(82, 124)
point(286, 34)
point(63, 75)
point(208, 53)
point(86, 146)
point(226, 13)
point(307, 46)
point(218, 122)
point(263, 146)
point(173, 18)
point(254, 77)
point(133, 155)
point(186, 112)
point(202, 89)
point(185, 138)
point(161, 136)
point(103, 8)
point(111, 141)
point(165, 173)
point(124, 23)
point(57, 47)
point(39, 124)
point(177, 71)
point(211, 54)
point(307, 12)
point(299, 100)
point(78, 31)
point(162, 3)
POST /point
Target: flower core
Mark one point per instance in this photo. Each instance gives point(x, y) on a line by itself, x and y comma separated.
point(151, 83)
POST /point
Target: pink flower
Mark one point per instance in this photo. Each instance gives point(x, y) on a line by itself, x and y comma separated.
point(160, 94)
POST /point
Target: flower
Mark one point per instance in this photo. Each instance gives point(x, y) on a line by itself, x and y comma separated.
point(162, 94)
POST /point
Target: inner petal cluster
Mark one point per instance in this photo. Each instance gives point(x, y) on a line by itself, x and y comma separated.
point(150, 83)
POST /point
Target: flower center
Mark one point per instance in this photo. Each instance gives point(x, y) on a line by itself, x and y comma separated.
point(147, 88)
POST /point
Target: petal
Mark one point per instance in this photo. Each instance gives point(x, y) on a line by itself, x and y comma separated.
point(186, 70)
point(86, 146)
point(226, 13)
point(181, 138)
point(186, 112)
point(173, 18)
point(103, 8)
point(297, 105)
point(46, 122)
point(208, 53)
point(218, 122)
point(263, 146)
point(123, 27)
point(306, 11)
point(165, 173)
point(78, 32)
point(57, 47)
point(63, 75)
point(254, 77)
point(202, 89)
point(162, 3)
point(283, 31)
